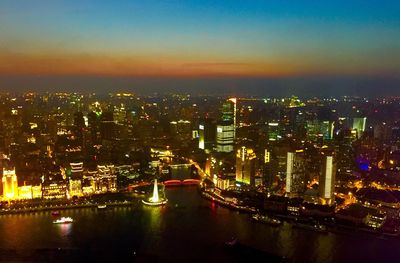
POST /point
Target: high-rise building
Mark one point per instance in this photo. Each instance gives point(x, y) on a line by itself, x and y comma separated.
point(359, 125)
point(94, 127)
point(206, 134)
point(225, 137)
point(245, 165)
point(327, 179)
point(273, 131)
point(229, 113)
point(269, 168)
point(107, 125)
point(10, 184)
point(295, 173)
point(228, 110)
point(201, 136)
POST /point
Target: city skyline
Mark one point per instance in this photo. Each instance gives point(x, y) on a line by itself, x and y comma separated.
point(196, 131)
point(224, 45)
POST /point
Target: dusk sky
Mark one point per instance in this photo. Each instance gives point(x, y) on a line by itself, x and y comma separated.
point(199, 39)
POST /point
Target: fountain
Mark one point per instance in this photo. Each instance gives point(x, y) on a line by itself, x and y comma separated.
point(155, 200)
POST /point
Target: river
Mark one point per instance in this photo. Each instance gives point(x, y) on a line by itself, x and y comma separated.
point(187, 229)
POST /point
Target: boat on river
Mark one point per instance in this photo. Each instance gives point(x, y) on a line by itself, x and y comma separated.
point(63, 220)
point(267, 220)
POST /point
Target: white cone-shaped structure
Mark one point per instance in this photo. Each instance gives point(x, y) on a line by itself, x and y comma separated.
point(155, 198)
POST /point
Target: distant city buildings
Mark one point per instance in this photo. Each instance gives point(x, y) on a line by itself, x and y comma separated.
point(67, 146)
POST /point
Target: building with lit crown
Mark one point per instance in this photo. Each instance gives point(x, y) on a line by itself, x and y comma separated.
point(245, 165)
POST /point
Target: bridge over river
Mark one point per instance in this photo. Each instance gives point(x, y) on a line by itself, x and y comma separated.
point(181, 174)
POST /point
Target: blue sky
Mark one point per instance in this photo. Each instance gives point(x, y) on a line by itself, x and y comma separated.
point(196, 38)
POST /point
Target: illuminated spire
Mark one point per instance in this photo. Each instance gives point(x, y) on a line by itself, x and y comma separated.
point(155, 198)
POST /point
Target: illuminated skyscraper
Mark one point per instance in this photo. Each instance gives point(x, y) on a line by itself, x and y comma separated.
point(273, 131)
point(226, 128)
point(327, 179)
point(10, 184)
point(245, 165)
point(289, 171)
point(201, 136)
point(359, 125)
point(206, 134)
point(229, 113)
point(295, 173)
point(225, 137)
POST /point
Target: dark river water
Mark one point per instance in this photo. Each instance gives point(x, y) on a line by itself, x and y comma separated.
point(187, 229)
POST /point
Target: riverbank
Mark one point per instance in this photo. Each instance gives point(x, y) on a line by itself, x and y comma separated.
point(331, 226)
point(65, 207)
point(227, 204)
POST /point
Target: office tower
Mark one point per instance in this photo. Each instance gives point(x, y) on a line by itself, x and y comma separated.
point(107, 125)
point(206, 134)
point(273, 131)
point(327, 179)
point(295, 173)
point(225, 137)
point(229, 113)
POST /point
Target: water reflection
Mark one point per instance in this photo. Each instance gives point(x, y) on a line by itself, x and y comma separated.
point(64, 229)
point(188, 224)
point(324, 248)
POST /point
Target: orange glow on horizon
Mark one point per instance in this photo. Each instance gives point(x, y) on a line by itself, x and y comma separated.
point(151, 65)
